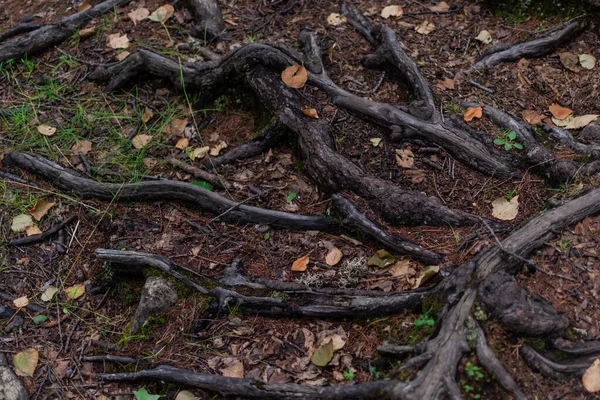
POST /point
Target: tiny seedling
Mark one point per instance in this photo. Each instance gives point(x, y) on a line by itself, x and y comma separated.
point(349, 375)
point(376, 374)
point(291, 197)
point(507, 139)
point(424, 320)
point(474, 371)
point(564, 244)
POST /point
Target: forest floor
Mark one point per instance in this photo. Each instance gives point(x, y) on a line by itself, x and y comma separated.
point(51, 89)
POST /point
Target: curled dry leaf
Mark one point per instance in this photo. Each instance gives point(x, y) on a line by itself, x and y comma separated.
point(301, 264)
point(139, 141)
point(217, 149)
point(116, 41)
point(199, 153)
point(46, 130)
point(336, 19)
point(591, 377)
point(484, 37)
point(310, 112)
point(587, 61)
point(162, 14)
point(582, 121)
point(26, 362)
point(405, 158)
point(425, 28)
point(333, 256)
point(41, 208)
point(182, 143)
point(569, 61)
point(442, 6)
point(505, 210)
point(21, 302)
point(559, 112)
point(295, 76)
point(473, 112)
point(138, 15)
point(532, 117)
point(391, 11)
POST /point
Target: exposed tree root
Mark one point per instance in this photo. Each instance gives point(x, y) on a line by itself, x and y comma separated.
point(49, 35)
point(208, 21)
point(566, 139)
point(201, 174)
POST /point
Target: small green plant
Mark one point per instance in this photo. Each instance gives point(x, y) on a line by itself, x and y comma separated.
point(452, 107)
point(474, 371)
point(564, 244)
point(291, 197)
point(349, 375)
point(510, 195)
point(424, 320)
point(373, 370)
point(507, 139)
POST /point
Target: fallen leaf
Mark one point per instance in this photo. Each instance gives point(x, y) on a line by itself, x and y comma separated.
point(142, 394)
point(505, 210)
point(336, 340)
point(569, 61)
point(46, 130)
point(162, 14)
point(39, 319)
point(559, 112)
point(532, 117)
point(75, 291)
point(473, 112)
point(426, 274)
point(139, 141)
point(186, 395)
point(217, 149)
point(336, 19)
point(375, 141)
point(381, 259)
point(49, 293)
point(176, 127)
point(391, 11)
point(82, 147)
point(581, 121)
point(26, 362)
point(323, 354)
point(425, 28)
point(21, 222)
point(21, 302)
point(523, 63)
point(447, 83)
point(295, 76)
point(182, 143)
point(333, 256)
point(235, 370)
point(87, 32)
point(484, 37)
point(310, 112)
point(415, 175)
point(60, 367)
point(405, 158)
point(591, 377)
point(116, 41)
point(147, 115)
point(301, 264)
point(138, 15)
point(562, 122)
point(84, 5)
point(33, 230)
point(442, 6)
point(401, 268)
point(587, 61)
point(199, 152)
point(122, 55)
point(41, 208)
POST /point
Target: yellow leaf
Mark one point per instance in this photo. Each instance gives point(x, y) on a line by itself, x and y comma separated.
point(176, 127)
point(559, 112)
point(323, 354)
point(381, 259)
point(46, 130)
point(473, 112)
point(505, 210)
point(140, 141)
point(333, 256)
point(26, 362)
point(484, 37)
point(426, 274)
point(41, 208)
point(75, 291)
point(301, 264)
point(587, 61)
point(295, 76)
point(198, 153)
point(310, 112)
point(182, 143)
point(21, 302)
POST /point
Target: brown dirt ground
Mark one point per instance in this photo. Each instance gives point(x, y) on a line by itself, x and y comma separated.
point(270, 349)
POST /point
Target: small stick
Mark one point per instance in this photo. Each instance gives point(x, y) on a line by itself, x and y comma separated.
point(43, 236)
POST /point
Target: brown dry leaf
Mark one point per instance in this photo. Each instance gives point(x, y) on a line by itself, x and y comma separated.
point(336, 340)
point(582, 121)
point(41, 208)
point(162, 14)
point(559, 112)
point(182, 143)
point(199, 153)
point(523, 63)
point(87, 32)
point(139, 141)
point(401, 268)
point(176, 127)
point(505, 210)
point(447, 83)
point(21, 302)
point(25, 362)
point(217, 149)
point(532, 117)
point(405, 158)
point(427, 273)
point(425, 28)
point(138, 15)
point(122, 55)
point(310, 112)
point(473, 112)
point(336, 19)
point(295, 76)
point(33, 230)
point(442, 6)
point(60, 368)
point(591, 377)
point(116, 41)
point(415, 175)
point(301, 264)
point(333, 256)
point(391, 11)
point(235, 370)
point(46, 130)
point(147, 115)
point(569, 61)
point(82, 146)
point(84, 5)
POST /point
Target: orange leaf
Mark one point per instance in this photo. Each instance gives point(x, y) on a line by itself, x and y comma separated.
point(531, 117)
point(559, 112)
point(473, 112)
point(295, 76)
point(310, 112)
point(300, 264)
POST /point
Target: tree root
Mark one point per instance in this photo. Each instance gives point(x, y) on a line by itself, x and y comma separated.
point(208, 21)
point(49, 35)
point(213, 179)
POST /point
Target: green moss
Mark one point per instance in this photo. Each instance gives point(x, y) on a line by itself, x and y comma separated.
point(538, 344)
point(517, 11)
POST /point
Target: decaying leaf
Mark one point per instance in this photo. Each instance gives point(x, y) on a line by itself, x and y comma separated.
point(295, 76)
point(138, 15)
point(381, 259)
point(33, 230)
point(217, 149)
point(176, 127)
point(116, 41)
point(46, 130)
point(336, 19)
point(587, 61)
point(301, 264)
point(21, 222)
point(415, 175)
point(375, 141)
point(49, 293)
point(323, 354)
point(310, 112)
point(336, 340)
point(569, 61)
point(505, 210)
point(581, 121)
point(21, 302)
point(25, 362)
point(591, 377)
point(199, 152)
point(122, 55)
point(562, 122)
point(425, 28)
point(532, 117)
point(41, 208)
point(405, 158)
point(235, 370)
point(333, 256)
point(559, 112)
point(82, 147)
point(75, 291)
point(446, 84)
point(147, 115)
point(139, 141)
point(426, 274)
point(401, 268)
point(391, 11)
point(84, 5)
point(442, 6)
point(182, 143)
point(484, 37)
point(162, 14)
point(473, 112)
